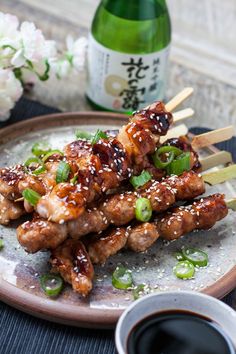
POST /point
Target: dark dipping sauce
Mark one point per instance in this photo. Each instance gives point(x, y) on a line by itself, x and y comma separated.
point(177, 332)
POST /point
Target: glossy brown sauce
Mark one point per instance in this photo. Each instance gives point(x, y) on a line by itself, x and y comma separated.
point(178, 332)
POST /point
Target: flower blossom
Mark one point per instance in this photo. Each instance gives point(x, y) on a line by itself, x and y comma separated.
point(77, 51)
point(32, 46)
point(10, 92)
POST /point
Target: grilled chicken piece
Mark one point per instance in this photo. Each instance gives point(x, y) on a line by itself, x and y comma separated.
point(109, 163)
point(142, 236)
point(9, 210)
point(13, 180)
point(119, 209)
point(103, 247)
point(9, 181)
point(40, 234)
point(139, 238)
point(72, 261)
point(202, 214)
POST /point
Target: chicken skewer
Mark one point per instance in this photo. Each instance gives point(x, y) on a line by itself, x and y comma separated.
point(201, 214)
point(41, 234)
point(176, 222)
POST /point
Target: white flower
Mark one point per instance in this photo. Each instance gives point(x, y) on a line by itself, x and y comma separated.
point(61, 68)
point(10, 92)
point(77, 51)
point(8, 26)
point(32, 46)
point(8, 37)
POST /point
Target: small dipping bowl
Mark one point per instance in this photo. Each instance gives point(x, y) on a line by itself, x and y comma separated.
point(178, 301)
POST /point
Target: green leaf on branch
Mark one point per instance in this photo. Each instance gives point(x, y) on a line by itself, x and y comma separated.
point(69, 57)
point(30, 64)
point(18, 74)
point(45, 75)
point(5, 46)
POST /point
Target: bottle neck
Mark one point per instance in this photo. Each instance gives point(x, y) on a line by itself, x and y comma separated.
point(136, 9)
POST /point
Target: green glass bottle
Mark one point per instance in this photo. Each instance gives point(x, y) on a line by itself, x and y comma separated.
point(128, 54)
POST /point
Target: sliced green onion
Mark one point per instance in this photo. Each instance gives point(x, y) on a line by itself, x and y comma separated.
point(168, 148)
point(139, 181)
point(184, 270)
point(171, 152)
point(40, 148)
point(32, 161)
point(179, 256)
point(1, 244)
point(81, 134)
point(63, 172)
point(195, 256)
point(122, 278)
point(31, 196)
point(50, 153)
point(51, 284)
point(35, 162)
point(143, 209)
point(98, 135)
point(158, 163)
point(39, 170)
point(179, 165)
point(74, 179)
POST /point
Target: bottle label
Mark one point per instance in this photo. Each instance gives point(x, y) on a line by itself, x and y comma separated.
point(125, 82)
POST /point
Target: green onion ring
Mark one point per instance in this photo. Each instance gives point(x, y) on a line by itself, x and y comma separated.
point(139, 181)
point(98, 135)
point(158, 163)
point(63, 172)
point(50, 153)
point(143, 209)
point(172, 152)
point(35, 160)
point(184, 270)
point(195, 256)
point(122, 278)
point(40, 148)
point(81, 134)
point(179, 165)
point(51, 284)
point(31, 196)
point(1, 244)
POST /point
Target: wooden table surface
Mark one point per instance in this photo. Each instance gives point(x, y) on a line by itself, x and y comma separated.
point(203, 53)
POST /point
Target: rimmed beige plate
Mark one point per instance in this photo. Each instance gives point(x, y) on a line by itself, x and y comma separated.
point(19, 272)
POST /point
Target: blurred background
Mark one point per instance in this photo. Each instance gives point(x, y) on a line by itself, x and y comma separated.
point(203, 53)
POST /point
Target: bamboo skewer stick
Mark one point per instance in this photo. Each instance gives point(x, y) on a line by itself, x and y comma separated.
point(220, 176)
point(178, 99)
point(219, 158)
point(213, 137)
point(174, 132)
point(182, 115)
point(231, 204)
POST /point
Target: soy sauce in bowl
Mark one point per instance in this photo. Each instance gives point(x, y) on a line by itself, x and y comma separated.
point(178, 332)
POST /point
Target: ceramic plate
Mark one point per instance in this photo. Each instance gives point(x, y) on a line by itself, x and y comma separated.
point(19, 271)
